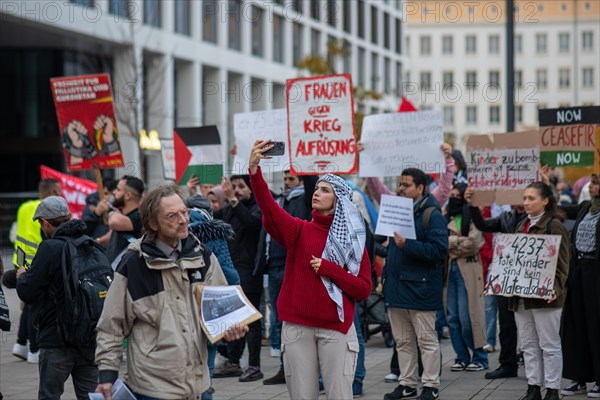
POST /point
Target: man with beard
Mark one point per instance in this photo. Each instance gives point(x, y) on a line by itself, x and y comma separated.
point(123, 216)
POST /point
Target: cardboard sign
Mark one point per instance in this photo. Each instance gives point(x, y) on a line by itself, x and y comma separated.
point(524, 265)
point(249, 127)
point(568, 136)
point(321, 133)
point(87, 123)
point(74, 189)
point(167, 153)
point(396, 215)
point(198, 152)
point(502, 169)
point(393, 142)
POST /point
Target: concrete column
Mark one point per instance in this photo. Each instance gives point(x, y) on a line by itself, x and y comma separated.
point(168, 15)
point(196, 20)
point(189, 89)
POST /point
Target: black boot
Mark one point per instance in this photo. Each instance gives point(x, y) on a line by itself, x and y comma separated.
point(551, 394)
point(533, 393)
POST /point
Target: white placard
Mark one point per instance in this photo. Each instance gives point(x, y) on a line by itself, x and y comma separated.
point(321, 125)
point(396, 215)
point(167, 153)
point(395, 141)
point(249, 127)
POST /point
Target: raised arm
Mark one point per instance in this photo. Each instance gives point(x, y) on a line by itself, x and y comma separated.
point(444, 188)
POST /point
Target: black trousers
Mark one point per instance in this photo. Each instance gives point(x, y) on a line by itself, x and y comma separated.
point(508, 335)
point(253, 338)
point(26, 330)
point(57, 364)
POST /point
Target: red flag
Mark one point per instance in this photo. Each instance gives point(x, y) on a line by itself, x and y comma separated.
point(74, 189)
point(406, 106)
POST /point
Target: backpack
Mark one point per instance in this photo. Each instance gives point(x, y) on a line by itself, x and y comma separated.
point(87, 275)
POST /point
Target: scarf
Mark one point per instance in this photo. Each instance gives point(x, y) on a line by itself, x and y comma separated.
point(346, 238)
point(595, 208)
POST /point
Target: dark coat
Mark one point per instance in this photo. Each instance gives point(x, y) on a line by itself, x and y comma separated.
point(413, 276)
point(506, 222)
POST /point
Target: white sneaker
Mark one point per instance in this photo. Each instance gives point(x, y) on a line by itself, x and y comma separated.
point(275, 353)
point(595, 392)
point(574, 388)
point(33, 358)
point(391, 377)
point(20, 351)
point(489, 348)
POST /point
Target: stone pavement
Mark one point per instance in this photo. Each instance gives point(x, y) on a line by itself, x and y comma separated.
point(19, 380)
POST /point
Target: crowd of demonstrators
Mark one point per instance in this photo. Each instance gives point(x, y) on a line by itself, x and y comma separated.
point(327, 271)
point(96, 224)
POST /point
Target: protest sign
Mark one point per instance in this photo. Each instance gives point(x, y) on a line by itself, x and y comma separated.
point(167, 153)
point(502, 169)
point(249, 127)
point(198, 152)
point(222, 307)
point(74, 189)
point(523, 265)
point(87, 123)
point(567, 136)
point(321, 133)
point(393, 142)
point(597, 151)
point(396, 215)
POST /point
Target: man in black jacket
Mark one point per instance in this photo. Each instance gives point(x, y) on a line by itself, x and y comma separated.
point(245, 217)
point(42, 287)
point(506, 222)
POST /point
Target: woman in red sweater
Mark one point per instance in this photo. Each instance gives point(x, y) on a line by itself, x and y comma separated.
point(327, 271)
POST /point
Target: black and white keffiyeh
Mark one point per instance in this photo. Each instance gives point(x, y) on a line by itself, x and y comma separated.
point(346, 238)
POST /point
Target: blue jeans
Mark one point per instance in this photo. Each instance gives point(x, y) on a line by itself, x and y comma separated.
point(459, 321)
point(275, 282)
point(440, 323)
point(360, 372)
point(491, 312)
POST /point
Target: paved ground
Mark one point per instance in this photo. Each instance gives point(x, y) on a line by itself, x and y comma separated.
point(18, 380)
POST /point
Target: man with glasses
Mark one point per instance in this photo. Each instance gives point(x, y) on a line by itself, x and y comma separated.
point(123, 216)
point(152, 302)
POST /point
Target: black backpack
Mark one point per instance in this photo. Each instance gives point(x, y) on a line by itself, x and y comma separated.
point(87, 275)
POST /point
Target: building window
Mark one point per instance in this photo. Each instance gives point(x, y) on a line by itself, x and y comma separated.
point(257, 31)
point(315, 42)
point(425, 45)
point(347, 57)
point(471, 115)
point(564, 42)
point(85, 3)
point(447, 44)
point(374, 71)
point(519, 114)
point(332, 13)
point(315, 12)
point(448, 115)
point(399, 37)
point(471, 79)
point(447, 79)
point(348, 15)
point(587, 40)
point(120, 8)
point(588, 77)
point(278, 38)
point(541, 78)
point(298, 35)
point(297, 5)
point(519, 44)
point(387, 75)
point(182, 17)
point(152, 13)
point(471, 44)
point(541, 43)
point(386, 30)
point(494, 44)
point(494, 78)
point(209, 20)
point(374, 24)
point(425, 80)
point(518, 78)
point(494, 115)
point(361, 67)
point(361, 18)
point(398, 78)
point(564, 78)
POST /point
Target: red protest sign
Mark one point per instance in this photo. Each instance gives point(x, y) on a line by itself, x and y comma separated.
point(87, 123)
point(321, 134)
point(74, 189)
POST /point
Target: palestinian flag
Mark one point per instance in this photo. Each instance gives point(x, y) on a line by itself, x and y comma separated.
point(198, 152)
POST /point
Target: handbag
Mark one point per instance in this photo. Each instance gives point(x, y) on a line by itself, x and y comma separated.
point(4, 314)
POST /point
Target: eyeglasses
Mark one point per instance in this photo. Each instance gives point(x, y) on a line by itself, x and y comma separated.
point(290, 178)
point(405, 185)
point(172, 217)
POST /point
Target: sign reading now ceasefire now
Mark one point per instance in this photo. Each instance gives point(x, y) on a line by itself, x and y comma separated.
point(569, 136)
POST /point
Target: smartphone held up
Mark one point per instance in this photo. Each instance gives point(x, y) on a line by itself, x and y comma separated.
point(278, 149)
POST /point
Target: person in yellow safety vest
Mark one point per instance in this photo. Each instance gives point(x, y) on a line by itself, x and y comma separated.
point(29, 236)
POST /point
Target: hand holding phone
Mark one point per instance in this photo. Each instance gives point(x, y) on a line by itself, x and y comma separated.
point(278, 149)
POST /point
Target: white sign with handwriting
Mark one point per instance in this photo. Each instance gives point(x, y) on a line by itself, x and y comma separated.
point(396, 215)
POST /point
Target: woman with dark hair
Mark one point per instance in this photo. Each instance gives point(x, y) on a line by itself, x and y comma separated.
point(464, 286)
point(538, 320)
point(581, 322)
point(327, 271)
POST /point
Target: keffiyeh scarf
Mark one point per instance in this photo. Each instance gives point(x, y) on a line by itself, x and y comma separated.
point(346, 238)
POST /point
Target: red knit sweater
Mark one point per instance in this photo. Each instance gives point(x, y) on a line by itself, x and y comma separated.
point(303, 298)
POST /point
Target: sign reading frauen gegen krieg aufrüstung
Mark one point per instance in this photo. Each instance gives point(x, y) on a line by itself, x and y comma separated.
point(523, 265)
